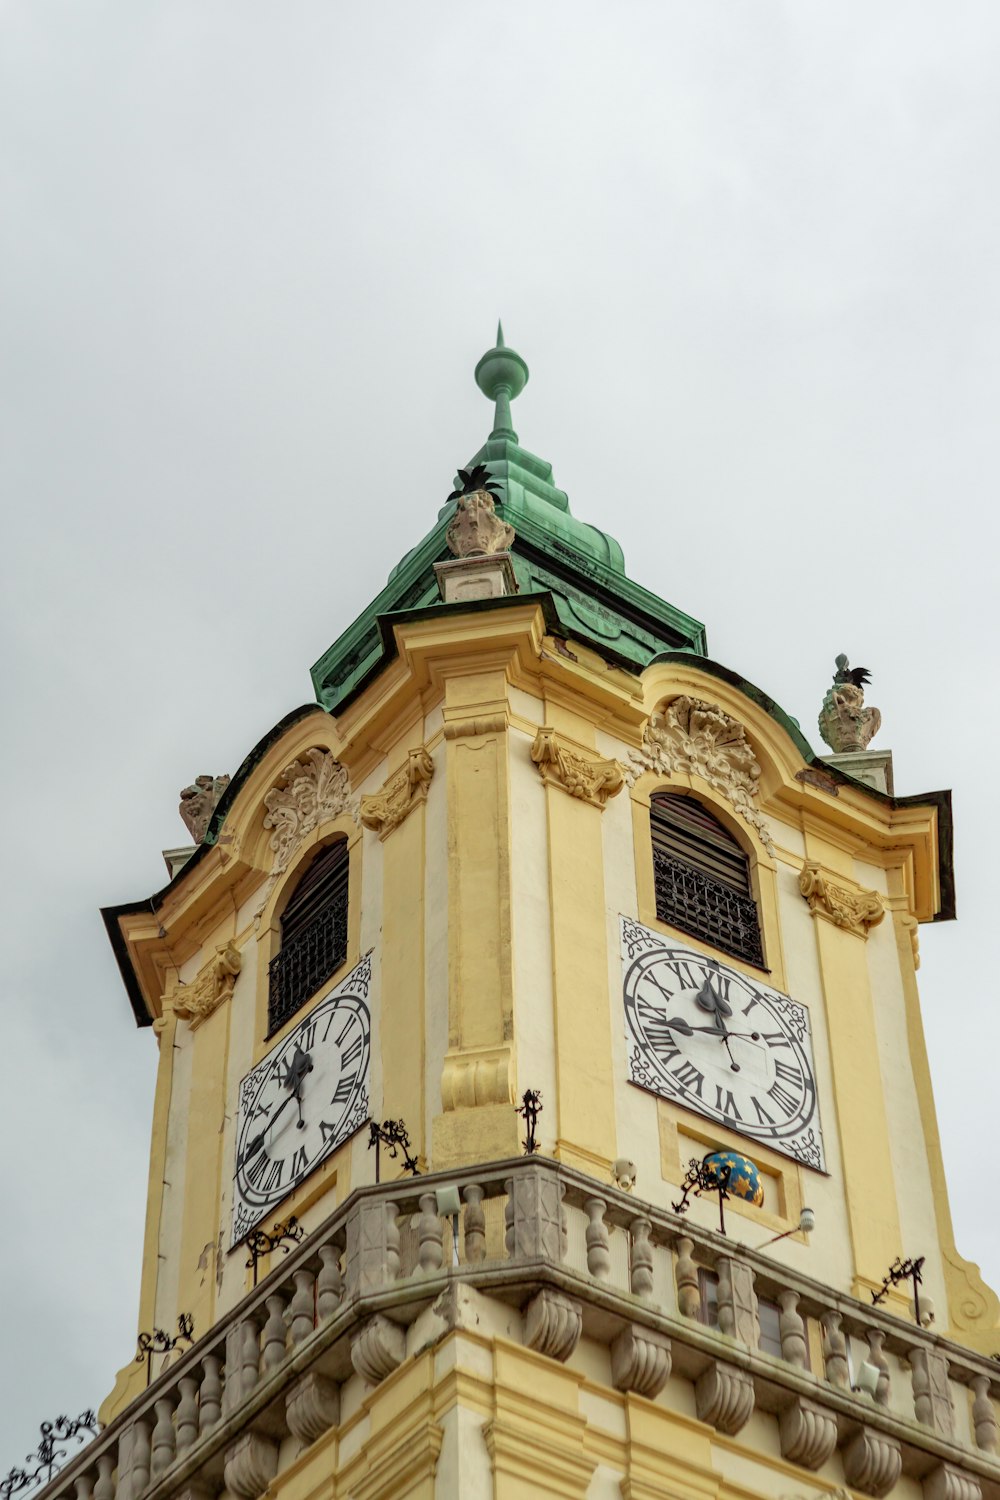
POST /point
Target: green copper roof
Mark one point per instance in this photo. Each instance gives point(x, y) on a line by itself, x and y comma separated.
point(582, 568)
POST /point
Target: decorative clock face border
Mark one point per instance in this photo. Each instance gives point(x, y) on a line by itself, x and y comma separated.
point(303, 1100)
point(717, 1042)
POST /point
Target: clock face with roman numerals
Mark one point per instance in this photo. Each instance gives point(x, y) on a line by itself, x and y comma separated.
point(303, 1100)
point(719, 1043)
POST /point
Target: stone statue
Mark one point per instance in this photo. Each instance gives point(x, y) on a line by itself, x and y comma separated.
point(476, 530)
point(844, 722)
point(198, 803)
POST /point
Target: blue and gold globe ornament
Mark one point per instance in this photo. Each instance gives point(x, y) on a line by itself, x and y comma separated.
point(737, 1174)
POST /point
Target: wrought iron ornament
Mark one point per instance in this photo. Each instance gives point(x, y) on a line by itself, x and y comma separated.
point(393, 1135)
point(264, 1242)
point(159, 1342)
point(707, 908)
point(902, 1270)
point(48, 1457)
point(529, 1109)
point(307, 960)
point(701, 1178)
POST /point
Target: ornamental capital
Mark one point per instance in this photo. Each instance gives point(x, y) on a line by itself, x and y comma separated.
point(404, 790)
point(591, 778)
point(856, 911)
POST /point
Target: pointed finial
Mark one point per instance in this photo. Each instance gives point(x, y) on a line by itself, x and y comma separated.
point(501, 375)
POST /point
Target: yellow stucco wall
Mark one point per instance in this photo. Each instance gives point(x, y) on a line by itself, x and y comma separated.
point(492, 912)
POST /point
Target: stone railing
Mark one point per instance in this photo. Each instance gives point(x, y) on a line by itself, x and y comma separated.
point(578, 1259)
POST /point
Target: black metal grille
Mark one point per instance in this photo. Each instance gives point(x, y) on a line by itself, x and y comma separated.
point(706, 908)
point(313, 936)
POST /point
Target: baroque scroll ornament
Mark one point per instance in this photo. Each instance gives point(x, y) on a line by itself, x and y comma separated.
point(855, 911)
point(697, 737)
point(311, 791)
point(213, 985)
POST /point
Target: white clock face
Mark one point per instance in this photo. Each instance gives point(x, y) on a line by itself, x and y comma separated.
point(719, 1043)
point(303, 1100)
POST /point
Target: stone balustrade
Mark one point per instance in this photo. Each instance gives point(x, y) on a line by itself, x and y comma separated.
point(578, 1259)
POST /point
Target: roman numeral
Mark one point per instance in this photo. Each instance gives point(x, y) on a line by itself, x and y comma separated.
point(788, 1073)
point(762, 1114)
point(274, 1177)
point(775, 1039)
point(688, 1076)
point(727, 1108)
point(354, 1051)
point(257, 1168)
point(326, 1130)
point(300, 1162)
point(782, 1098)
point(309, 1037)
point(344, 1088)
point(684, 974)
point(755, 1001)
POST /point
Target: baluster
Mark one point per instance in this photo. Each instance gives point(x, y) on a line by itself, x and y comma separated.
point(932, 1401)
point(835, 1351)
point(508, 1218)
point(164, 1437)
point(688, 1291)
point(984, 1417)
point(274, 1334)
point(642, 1257)
point(301, 1305)
point(210, 1404)
point(431, 1252)
point(876, 1338)
point(598, 1251)
point(104, 1489)
point(330, 1285)
point(138, 1466)
point(187, 1413)
point(83, 1486)
point(791, 1329)
point(474, 1222)
point(391, 1241)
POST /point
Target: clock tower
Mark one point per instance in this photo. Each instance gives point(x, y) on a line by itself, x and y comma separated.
point(543, 1106)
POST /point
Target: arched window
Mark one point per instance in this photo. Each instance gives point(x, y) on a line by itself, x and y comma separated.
point(313, 935)
point(702, 877)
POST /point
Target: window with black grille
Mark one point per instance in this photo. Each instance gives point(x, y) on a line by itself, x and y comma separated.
point(313, 935)
point(702, 877)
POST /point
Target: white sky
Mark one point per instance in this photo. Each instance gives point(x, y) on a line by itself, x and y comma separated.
point(249, 255)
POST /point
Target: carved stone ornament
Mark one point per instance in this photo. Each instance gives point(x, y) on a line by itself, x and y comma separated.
point(214, 985)
point(476, 530)
point(378, 1349)
point(309, 792)
point(857, 911)
point(724, 1396)
point(640, 1361)
point(844, 722)
point(312, 1406)
point(403, 791)
point(553, 1324)
point(590, 778)
point(946, 1482)
point(700, 739)
point(198, 803)
point(873, 1462)
point(251, 1464)
point(808, 1433)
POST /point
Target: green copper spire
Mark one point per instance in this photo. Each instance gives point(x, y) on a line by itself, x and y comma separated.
point(501, 375)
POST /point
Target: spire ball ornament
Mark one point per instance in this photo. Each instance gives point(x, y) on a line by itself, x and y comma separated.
point(845, 723)
point(501, 375)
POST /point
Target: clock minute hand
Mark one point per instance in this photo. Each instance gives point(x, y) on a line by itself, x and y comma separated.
point(252, 1147)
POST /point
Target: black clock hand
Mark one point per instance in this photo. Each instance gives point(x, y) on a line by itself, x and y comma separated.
point(254, 1146)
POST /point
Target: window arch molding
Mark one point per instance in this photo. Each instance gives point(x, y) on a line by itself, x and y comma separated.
point(343, 830)
point(762, 867)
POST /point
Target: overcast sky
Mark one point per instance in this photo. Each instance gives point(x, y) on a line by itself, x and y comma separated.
point(249, 256)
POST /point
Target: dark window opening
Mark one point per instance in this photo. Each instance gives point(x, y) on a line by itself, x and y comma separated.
point(313, 935)
point(702, 877)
